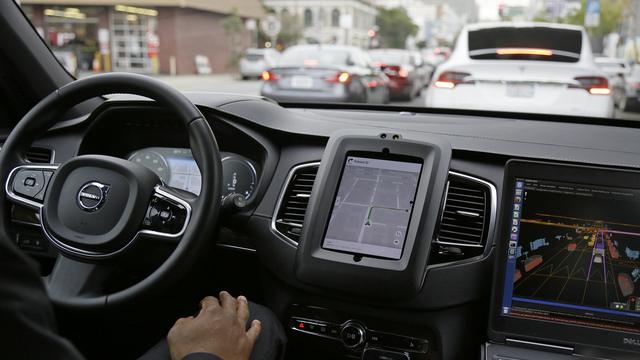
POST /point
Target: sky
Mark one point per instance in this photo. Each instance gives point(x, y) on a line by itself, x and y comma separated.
point(488, 9)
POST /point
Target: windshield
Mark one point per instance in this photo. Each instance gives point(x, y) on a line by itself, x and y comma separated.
point(562, 57)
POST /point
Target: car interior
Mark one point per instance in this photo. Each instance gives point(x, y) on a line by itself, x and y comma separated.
point(136, 205)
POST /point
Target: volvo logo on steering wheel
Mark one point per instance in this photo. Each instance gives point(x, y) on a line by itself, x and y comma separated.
point(92, 196)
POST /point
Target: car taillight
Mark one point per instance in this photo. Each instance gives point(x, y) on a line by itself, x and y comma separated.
point(449, 79)
point(595, 85)
point(395, 70)
point(339, 78)
point(269, 76)
point(391, 70)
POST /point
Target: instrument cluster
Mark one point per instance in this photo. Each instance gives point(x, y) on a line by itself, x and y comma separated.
point(177, 168)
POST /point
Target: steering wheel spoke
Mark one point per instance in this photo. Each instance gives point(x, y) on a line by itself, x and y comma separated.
point(71, 279)
point(167, 215)
point(27, 184)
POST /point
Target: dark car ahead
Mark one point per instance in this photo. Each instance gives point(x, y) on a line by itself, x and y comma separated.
point(325, 73)
point(405, 78)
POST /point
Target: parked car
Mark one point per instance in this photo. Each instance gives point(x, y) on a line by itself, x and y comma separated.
point(405, 77)
point(325, 73)
point(523, 67)
point(617, 70)
point(255, 61)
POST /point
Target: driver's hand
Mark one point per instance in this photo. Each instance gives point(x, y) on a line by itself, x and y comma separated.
point(218, 329)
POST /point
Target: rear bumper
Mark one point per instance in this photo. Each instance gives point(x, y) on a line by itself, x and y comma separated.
point(281, 95)
point(251, 69)
point(573, 102)
point(400, 86)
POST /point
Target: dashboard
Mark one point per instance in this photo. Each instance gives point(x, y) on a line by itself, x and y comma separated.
point(409, 233)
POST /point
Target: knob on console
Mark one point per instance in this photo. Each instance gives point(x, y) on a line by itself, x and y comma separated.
point(352, 335)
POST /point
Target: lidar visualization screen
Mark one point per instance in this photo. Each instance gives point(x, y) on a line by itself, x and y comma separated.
point(574, 255)
point(373, 206)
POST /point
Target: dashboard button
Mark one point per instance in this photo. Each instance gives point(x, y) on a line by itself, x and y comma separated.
point(352, 335)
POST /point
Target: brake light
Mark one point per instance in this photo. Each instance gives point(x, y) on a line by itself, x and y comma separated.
point(403, 72)
point(524, 51)
point(339, 78)
point(595, 85)
point(269, 76)
point(449, 79)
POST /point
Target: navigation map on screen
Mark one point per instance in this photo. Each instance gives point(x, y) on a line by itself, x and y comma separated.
point(574, 254)
point(373, 206)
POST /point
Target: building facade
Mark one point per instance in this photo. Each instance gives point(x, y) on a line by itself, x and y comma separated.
point(345, 22)
point(178, 37)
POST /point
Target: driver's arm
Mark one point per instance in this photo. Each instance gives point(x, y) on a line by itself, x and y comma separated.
point(219, 331)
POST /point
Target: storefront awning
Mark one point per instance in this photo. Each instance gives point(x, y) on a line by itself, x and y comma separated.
point(244, 8)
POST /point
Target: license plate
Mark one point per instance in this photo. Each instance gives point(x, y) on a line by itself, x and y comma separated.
point(301, 82)
point(521, 90)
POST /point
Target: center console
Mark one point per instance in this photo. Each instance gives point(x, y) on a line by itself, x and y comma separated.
point(367, 233)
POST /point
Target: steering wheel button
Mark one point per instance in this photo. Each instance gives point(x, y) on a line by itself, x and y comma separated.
point(28, 183)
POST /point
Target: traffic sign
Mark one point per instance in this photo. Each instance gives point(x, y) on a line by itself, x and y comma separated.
point(271, 26)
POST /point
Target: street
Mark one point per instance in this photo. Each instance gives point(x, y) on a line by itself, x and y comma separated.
point(233, 84)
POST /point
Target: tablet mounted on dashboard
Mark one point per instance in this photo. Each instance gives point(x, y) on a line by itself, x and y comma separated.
point(567, 270)
point(373, 213)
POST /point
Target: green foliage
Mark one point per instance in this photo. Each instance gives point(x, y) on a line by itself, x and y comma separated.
point(611, 13)
point(395, 26)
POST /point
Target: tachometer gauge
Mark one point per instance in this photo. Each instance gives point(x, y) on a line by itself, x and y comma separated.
point(152, 161)
point(239, 177)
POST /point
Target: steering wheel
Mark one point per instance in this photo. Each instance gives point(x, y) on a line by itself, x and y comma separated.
point(93, 208)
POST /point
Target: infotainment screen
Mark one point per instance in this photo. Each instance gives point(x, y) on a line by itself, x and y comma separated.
point(573, 255)
point(373, 205)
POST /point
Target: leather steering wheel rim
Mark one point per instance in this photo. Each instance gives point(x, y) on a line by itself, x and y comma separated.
point(204, 209)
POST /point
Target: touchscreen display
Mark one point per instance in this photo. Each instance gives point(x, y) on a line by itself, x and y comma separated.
point(573, 255)
point(373, 206)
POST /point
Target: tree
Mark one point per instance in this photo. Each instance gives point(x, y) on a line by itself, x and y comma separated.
point(395, 26)
point(234, 28)
point(291, 30)
point(611, 12)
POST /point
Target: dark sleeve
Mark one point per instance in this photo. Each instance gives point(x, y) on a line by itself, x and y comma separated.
point(27, 324)
point(201, 356)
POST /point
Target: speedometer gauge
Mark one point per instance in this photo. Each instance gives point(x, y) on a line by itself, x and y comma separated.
point(152, 161)
point(239, 177)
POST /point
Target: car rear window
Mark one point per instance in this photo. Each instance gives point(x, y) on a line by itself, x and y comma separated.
point(254, 57)
point(527, 43)
point(314, 57)
point(390, 58)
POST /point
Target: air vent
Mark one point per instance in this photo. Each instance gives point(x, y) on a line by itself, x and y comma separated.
point(466, 218)
point(39, 155)
point(293, 202)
